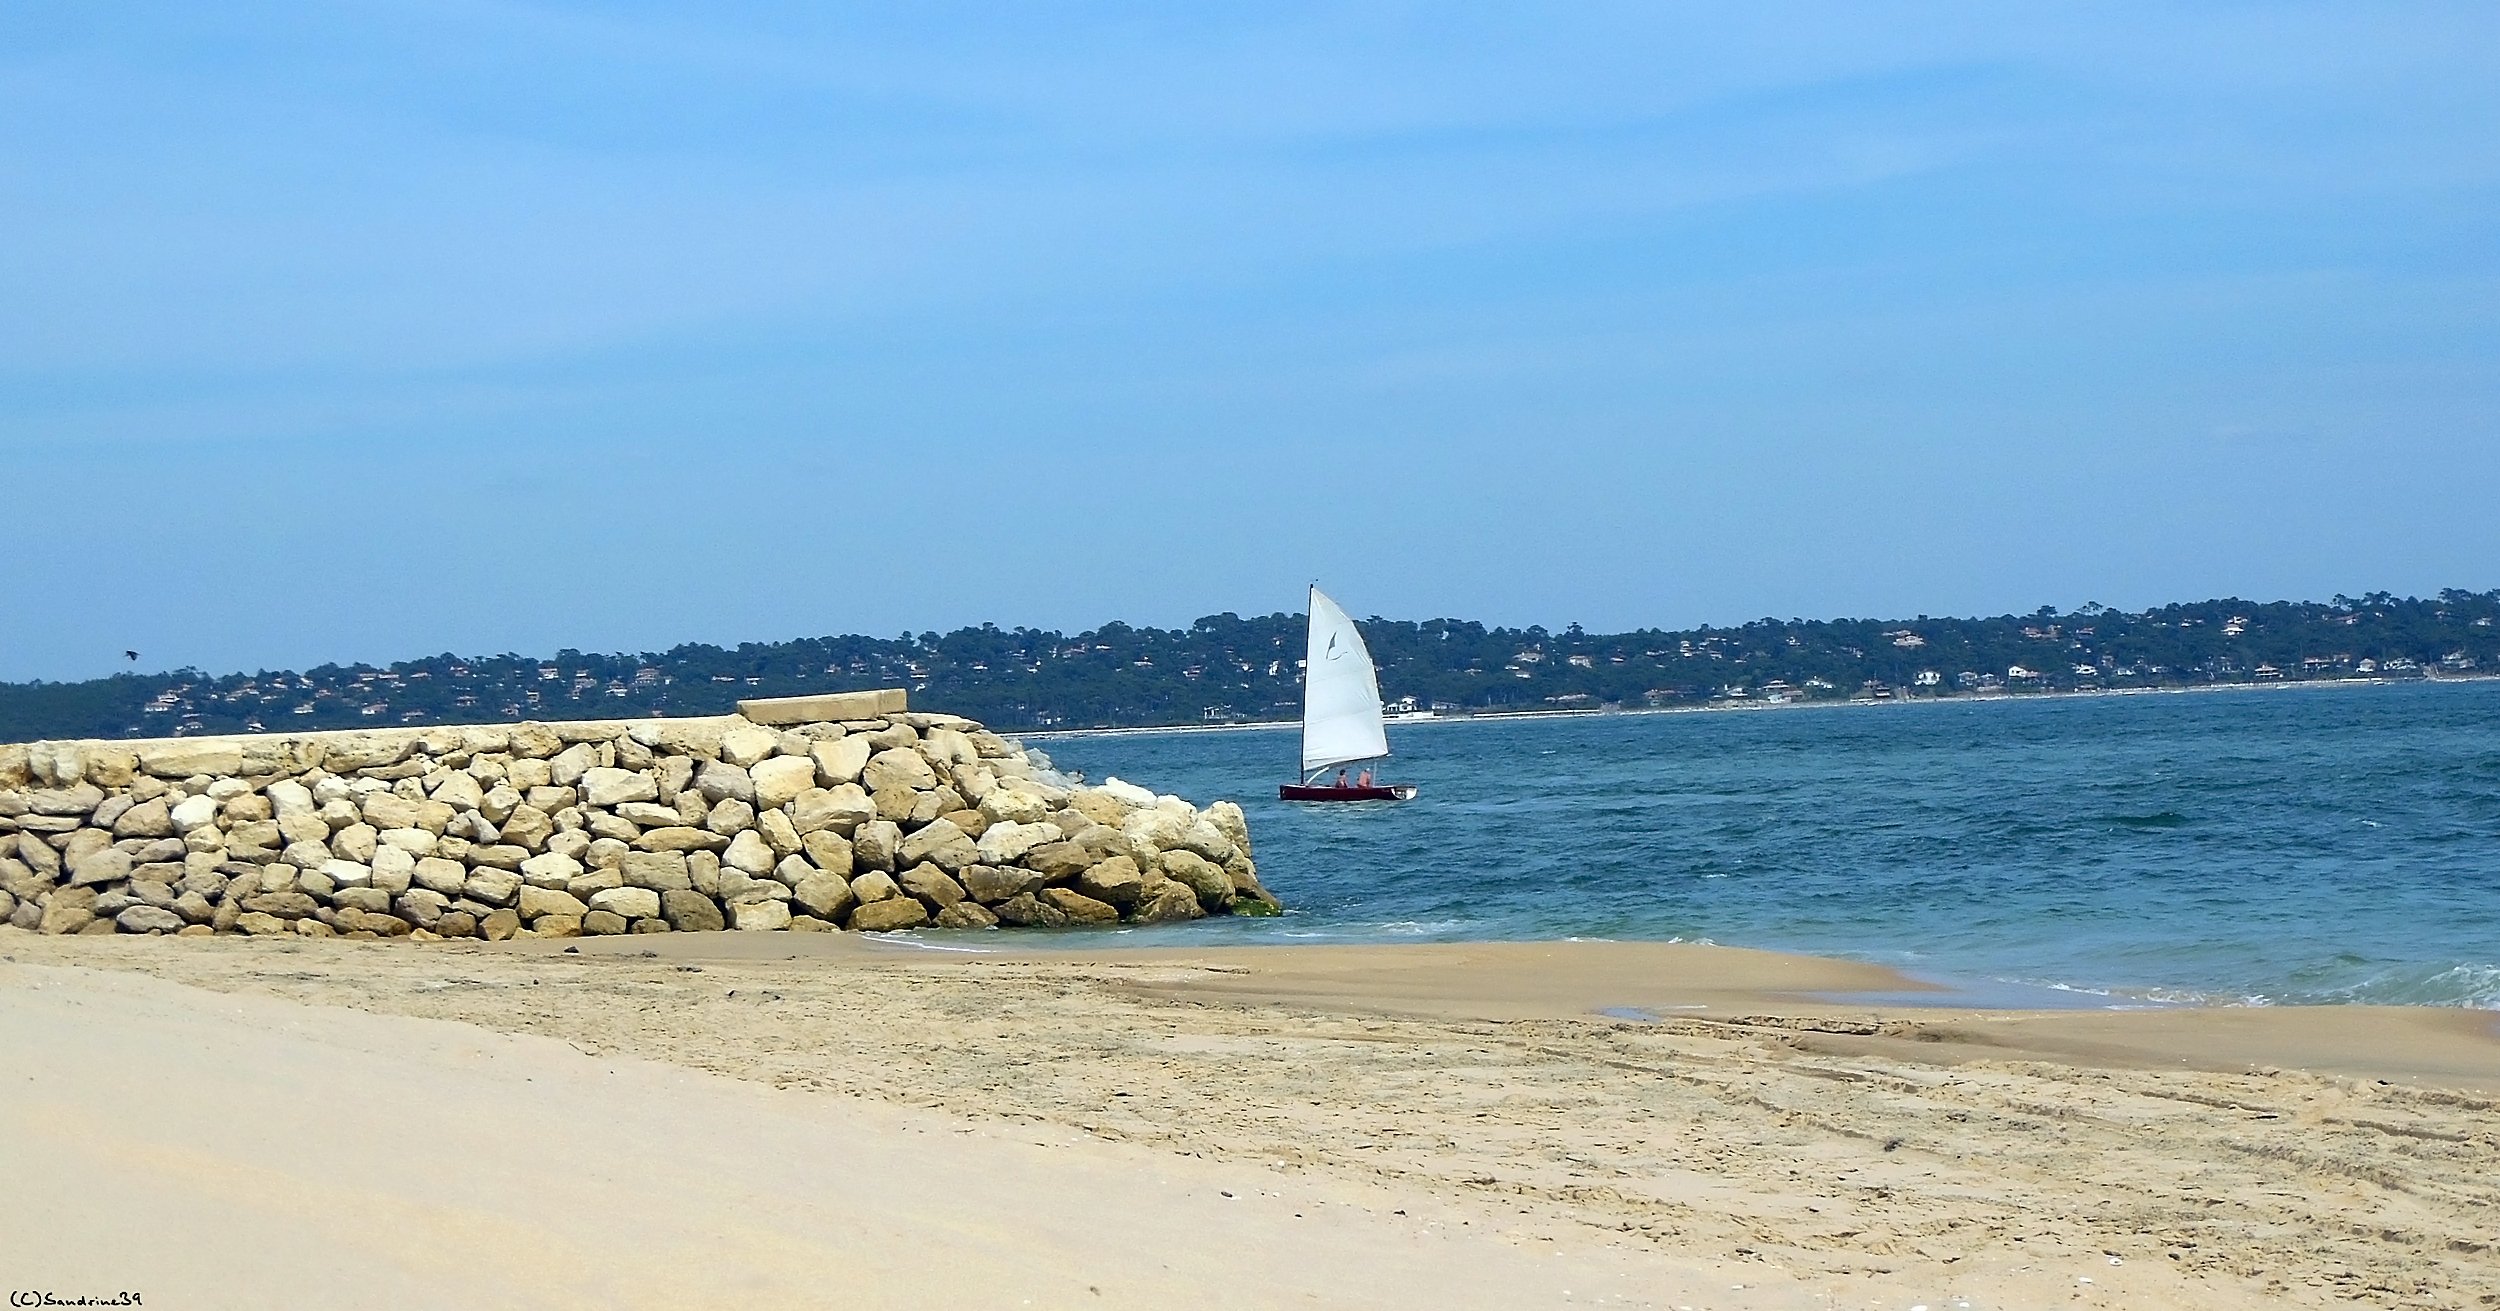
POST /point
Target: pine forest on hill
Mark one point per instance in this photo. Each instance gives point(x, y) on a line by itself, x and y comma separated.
point(1225, 668)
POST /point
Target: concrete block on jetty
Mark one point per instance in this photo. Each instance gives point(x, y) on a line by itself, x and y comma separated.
point(845, 811)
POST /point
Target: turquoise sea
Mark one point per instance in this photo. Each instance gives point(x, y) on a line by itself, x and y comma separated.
point(2287, 845)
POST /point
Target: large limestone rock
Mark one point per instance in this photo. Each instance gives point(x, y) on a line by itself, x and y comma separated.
point(105, 865)
point(1228, 820)
point(780, 780)
point(493, 887)
point(761, 916)
point(79, 800)
point(829, 852)
point(537, 902)
point(966, 914)
point(681, 839)
point(460, 792)
point(1153, 831)
point(895, 804)
point(591, 882)
point(348, 753)
point(366, 899)
point(421, 908)
point(631, 903)
point(150, 819)
point(841, 760)
point(1059, 861)
point(615, 787)
point(1006, 842)
point(930, 884)
point(823, 895)
point(660, 871)
point(829, 707)
point(688, 911)
point(1213, 886)
point(889, 915)
point(182, 758)
point(393, 869)
point(551, 869)
point(1079, 908)
point(567, 767)
point(897, 767)
point(1169, 902)
point(1099, 807)
point(193, 813)
point(992, 884)
point(718, 780)
point(778, 832)
point(444, 875)
point(284, 905)
point(39, 856)
point(1028, 911)
point(68, 910)
point(749, 852)
point(1207, 842)
point(729, 816)
point(746, 745)
point(60, 764)
point(939, 843)
point(948, 746)
point(1014, 805)
point(148, 919)
point(875, 844)
point(841, 809)
point(648, 814)
point(1116, 881)
point(1127, 794)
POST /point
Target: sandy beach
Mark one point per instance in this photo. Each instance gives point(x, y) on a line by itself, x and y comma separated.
point(817, 1120)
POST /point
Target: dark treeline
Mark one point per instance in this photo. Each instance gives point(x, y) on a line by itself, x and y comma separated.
point(1225, 667)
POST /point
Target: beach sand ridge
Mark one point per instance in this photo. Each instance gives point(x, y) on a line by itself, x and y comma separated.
point(1873, 1155)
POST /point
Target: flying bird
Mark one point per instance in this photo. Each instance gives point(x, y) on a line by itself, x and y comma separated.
point(130, 655)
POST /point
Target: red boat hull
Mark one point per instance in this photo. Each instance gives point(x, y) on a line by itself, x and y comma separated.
point(1331, 792)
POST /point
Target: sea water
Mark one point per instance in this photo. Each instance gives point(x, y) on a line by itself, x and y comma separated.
point(2288, 845)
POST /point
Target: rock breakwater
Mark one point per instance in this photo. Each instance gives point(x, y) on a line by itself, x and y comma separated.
point(809, 814)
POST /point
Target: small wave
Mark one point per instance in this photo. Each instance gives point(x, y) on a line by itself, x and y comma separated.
point(1416, 928)
point(2158, 819)
point(918, 943)
point(2467, 985)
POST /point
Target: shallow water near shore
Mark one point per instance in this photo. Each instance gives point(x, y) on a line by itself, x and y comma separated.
point(2282, 846)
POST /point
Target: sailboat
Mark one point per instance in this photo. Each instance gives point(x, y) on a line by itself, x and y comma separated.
point(1341, 714)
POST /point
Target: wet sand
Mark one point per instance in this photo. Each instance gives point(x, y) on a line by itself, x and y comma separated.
point(803, 1120)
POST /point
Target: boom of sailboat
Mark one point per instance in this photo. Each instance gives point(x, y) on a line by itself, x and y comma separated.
point(1341, 713)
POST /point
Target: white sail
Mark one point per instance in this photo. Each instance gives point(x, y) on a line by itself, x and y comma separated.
point(1340, 693)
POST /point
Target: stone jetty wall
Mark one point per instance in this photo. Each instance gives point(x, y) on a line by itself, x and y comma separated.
point(817, 813)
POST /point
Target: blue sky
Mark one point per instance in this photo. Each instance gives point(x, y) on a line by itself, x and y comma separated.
point(339, 332)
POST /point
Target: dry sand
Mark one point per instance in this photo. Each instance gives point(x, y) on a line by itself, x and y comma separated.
point(806, 1120)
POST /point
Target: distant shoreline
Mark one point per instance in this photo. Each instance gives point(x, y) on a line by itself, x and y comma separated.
point(1727, 707)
